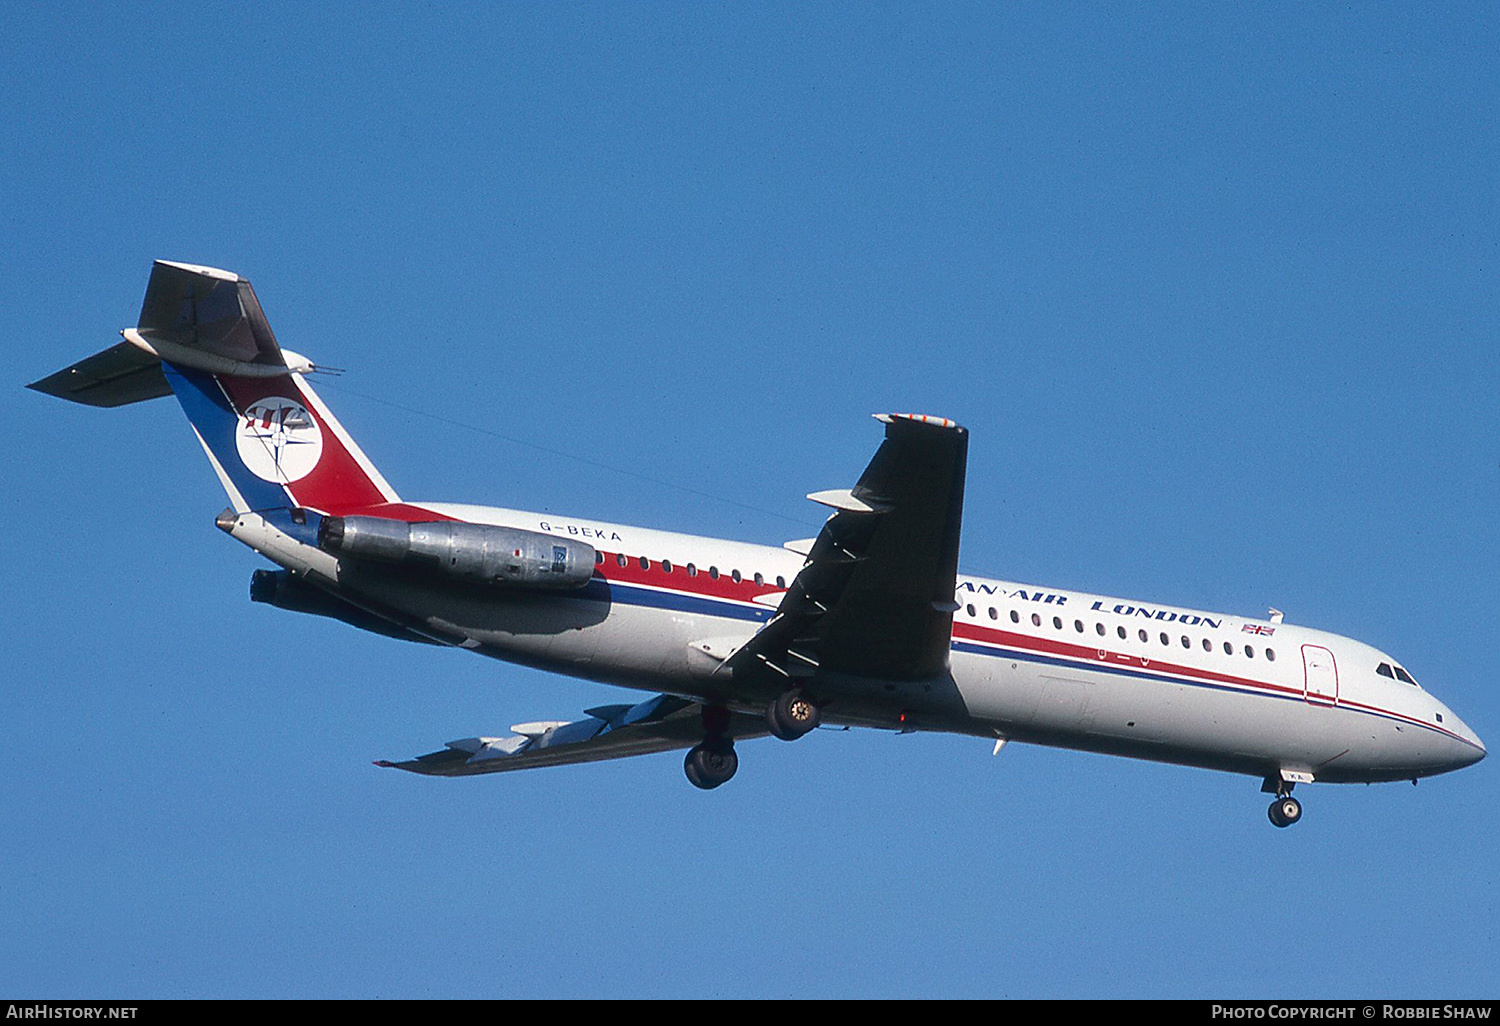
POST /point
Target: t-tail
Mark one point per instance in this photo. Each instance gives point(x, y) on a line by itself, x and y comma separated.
point(203, 337)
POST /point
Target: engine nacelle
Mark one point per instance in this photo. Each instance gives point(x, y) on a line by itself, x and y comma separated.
point(476, 553)
point(284, 590)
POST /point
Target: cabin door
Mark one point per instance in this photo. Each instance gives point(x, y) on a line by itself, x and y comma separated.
point(1322, 675)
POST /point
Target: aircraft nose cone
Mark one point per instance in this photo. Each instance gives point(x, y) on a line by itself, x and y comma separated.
point(1478, 753)
point(1470, 749)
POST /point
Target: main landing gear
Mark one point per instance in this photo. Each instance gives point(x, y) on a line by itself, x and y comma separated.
point(791, 715)
point(712, 762)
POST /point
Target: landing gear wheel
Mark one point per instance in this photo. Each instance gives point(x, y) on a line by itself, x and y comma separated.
point(1285, 811)
point(791, 715)
point(710, 764)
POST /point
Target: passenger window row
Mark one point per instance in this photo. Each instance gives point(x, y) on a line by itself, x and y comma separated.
point(1144, 635)
point(692, 571)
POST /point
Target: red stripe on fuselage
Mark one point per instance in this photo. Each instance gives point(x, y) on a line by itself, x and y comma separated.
point(702, 585)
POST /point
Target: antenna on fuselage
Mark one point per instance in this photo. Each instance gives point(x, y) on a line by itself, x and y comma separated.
point(1276, 615)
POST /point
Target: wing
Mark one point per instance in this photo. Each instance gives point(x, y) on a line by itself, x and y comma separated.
point(659, 724)
point(875, 597)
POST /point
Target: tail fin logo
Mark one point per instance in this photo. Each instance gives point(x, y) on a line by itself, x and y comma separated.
point(279, 440)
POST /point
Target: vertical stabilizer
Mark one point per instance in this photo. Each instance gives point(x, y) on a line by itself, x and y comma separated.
point(203, 337)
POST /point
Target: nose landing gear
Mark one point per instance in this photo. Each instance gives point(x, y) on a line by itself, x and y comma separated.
point(1285, 811)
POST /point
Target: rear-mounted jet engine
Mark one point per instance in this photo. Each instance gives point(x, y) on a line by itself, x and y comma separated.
point(474, 553)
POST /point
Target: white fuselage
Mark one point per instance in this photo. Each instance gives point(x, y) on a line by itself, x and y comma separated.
point(1041, 665)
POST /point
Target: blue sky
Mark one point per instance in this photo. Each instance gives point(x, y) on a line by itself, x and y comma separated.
point(1212, 287)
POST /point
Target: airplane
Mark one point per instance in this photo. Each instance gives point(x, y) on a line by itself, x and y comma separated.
point(869, 624)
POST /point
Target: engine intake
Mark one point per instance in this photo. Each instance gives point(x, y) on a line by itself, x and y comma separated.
point(477, 553)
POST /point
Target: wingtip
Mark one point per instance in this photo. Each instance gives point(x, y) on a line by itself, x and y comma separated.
point(920, 418)
point(211, 272)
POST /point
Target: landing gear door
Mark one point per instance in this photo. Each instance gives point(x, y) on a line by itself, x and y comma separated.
point(1322, 680)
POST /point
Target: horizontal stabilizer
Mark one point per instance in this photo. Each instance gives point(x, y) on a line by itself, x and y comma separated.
point(197, 317)
point(207, 309)
point(118, 376)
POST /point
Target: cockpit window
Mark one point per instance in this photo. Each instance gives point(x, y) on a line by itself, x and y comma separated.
point(1402, 675)
point(1384, 669)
